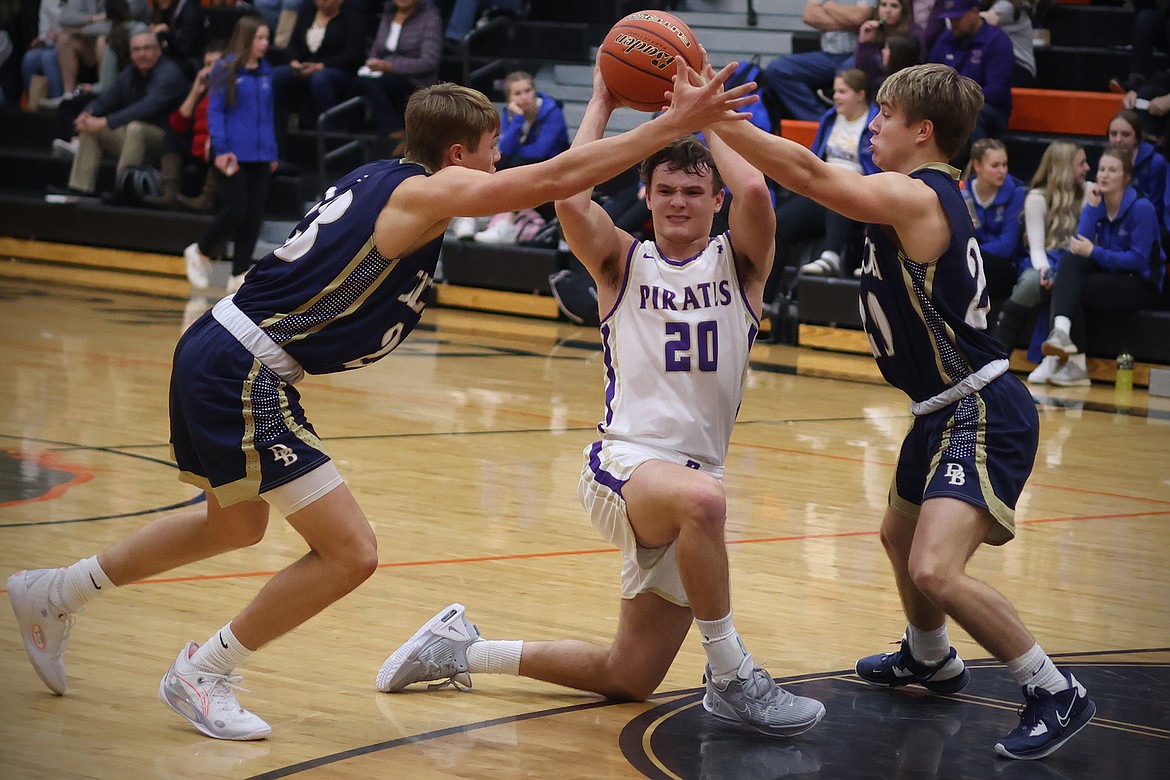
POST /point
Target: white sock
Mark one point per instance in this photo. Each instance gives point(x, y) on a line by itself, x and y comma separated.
point(929, 647)
point(221, 653)
point(79, 584)
point(725, 650)
point(1063, 324)
point(1036, 668)
point(494, 656)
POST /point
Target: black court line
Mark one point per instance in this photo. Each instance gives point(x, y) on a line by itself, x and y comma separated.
point(683, 702)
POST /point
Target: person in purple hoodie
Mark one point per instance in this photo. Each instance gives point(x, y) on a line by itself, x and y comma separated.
point(996, 200)
point(1114, 264)
point(981, 52)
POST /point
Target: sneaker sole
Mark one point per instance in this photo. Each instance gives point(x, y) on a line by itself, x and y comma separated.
point(394, 683)
point(23, 618)
point(947, 686)
point(787, 731)
point(1051, 748)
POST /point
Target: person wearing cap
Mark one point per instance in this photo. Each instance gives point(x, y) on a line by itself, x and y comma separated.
point(982, 52)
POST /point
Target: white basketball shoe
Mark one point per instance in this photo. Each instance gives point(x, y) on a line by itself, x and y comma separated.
point(198, 266)
point(44, 626)
point(437, 651)
point(208, 700)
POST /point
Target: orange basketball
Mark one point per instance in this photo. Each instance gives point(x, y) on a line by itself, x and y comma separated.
point(637, 57)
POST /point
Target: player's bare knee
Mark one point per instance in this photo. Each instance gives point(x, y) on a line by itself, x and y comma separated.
point(360, 559)
point(706, 505)
point(931, 577)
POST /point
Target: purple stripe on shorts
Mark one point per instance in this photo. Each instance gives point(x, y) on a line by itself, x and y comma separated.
point(610, 378)
point(600, 475)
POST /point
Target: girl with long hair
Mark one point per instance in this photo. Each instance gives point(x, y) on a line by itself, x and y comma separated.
point(1052, 208)
point(1114, 264)
point(240, 119)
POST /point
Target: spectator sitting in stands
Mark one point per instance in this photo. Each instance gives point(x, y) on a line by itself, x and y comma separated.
point(127, 119)
point(405, 56)
point(1151, 31)
point(794, 79)
point(901, 50)
point(465, 13)
point(187, 139)
point(1149, 166)
point(533, 129)
point(240, 118)
point(893, 17)
point(325, 51)
point(281, 17)
point(82, 39)
point(981, 52)
point(843, 138)
point(40, 73)
point(179, 26)
point(1151, 102)
point(996, 200)
point(1052, 209)
point(1014, 17)
point(1114, 264)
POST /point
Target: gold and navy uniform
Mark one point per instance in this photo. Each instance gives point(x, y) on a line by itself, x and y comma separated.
point(325, 301)
point(975, 431)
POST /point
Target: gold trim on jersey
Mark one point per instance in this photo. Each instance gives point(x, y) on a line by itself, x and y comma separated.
point(916, 302)
point(346, 272)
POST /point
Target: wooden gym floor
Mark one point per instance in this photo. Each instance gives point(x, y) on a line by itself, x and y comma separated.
point(464, 449)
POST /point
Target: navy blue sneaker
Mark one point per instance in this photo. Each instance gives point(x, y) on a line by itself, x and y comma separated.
point(1047, 721)
point(891, 670)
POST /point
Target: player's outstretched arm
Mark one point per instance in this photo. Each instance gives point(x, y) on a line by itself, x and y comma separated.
point(589, 230)
point(884, 198)
point(752, 218)
point(456, 191)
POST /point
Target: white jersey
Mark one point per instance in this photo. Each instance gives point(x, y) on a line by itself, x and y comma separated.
point(676, 351)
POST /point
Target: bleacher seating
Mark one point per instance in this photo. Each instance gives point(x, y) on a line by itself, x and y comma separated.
point(555, 39)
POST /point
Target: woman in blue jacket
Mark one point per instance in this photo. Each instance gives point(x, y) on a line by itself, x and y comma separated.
point(241, 123)
point(533, 127)
point(843, 138)
point(996, 200)
point(1113, 264)
point(532, 130)
point(1149, 166)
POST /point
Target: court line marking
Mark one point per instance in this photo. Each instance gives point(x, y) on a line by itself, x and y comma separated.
point(843, 675)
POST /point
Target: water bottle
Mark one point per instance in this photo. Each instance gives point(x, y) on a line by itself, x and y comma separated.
point(1123, 380)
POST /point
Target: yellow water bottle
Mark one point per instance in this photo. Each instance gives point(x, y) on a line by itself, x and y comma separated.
point(1123, 380)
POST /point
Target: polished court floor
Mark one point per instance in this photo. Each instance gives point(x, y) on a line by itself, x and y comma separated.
point(464, 448)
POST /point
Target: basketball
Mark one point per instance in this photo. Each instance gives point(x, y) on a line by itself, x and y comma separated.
point(637, 57)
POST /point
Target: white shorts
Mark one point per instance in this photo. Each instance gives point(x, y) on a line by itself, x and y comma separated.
point(608, 466)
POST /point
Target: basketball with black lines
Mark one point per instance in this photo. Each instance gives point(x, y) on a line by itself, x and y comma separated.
point(637, 57)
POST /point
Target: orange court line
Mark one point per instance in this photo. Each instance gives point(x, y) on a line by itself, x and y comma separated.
point(603, 550)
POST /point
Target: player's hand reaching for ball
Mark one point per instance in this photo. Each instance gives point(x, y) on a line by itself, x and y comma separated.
point(698, 100)
point(601, 93)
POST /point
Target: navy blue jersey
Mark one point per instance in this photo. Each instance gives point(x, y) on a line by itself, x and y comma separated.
point(927, 322)
point(327, 296)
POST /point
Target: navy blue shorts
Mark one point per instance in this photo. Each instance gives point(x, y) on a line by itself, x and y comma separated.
point(237, 429)
point(979, 449)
